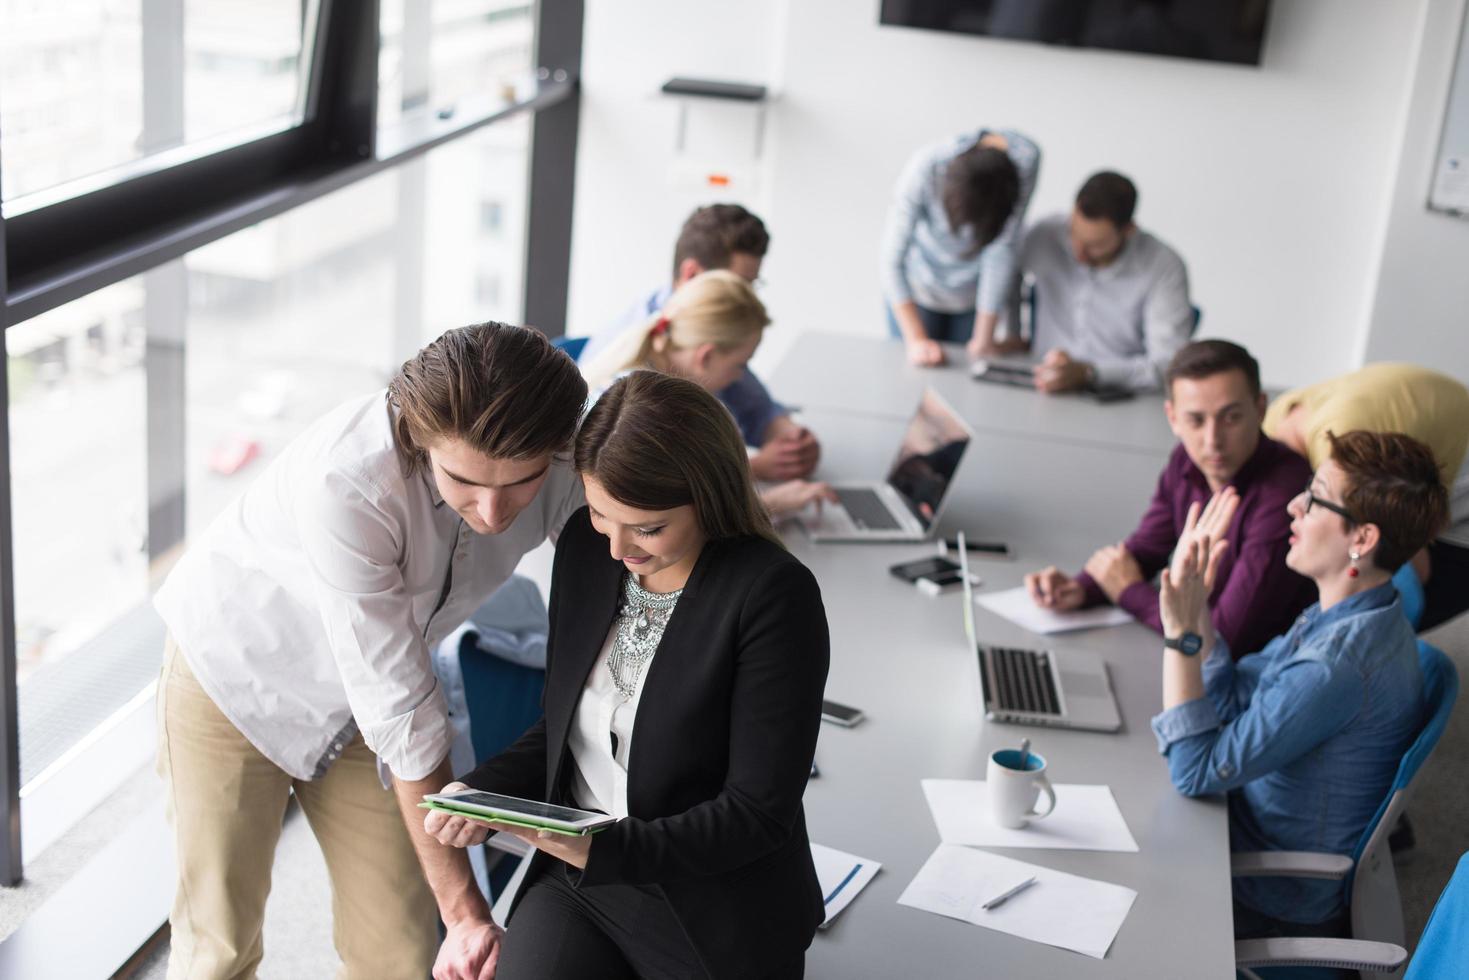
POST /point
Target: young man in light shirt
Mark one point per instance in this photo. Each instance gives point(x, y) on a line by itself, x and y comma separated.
point(1111, 300)
point(297, 660)
point(726, 236)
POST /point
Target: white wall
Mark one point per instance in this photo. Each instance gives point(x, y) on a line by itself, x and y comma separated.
point(1421, 309)
point(1276, 183)
point(633, 190)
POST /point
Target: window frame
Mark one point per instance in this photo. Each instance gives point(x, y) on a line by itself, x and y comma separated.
point(153, 212)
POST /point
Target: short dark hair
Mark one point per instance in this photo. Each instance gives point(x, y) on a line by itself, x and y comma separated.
point(657, 442)
point(715, 232)
point(1392, 482)
point(1206, 358)
point(502, 390)
point(1108, 195)
point(980, 188)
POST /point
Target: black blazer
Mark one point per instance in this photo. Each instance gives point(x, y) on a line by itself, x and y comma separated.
point(722, 747)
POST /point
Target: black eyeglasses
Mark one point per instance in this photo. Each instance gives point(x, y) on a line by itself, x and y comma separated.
point(1314, 501)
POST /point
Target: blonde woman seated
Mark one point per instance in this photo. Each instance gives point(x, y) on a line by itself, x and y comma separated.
point(707, 333)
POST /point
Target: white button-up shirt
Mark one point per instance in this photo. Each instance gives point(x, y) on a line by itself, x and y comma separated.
point(599, 778)
point(308, 608)
point(1127, 318)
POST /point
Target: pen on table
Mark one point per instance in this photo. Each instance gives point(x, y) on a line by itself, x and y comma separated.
point(1001, 899)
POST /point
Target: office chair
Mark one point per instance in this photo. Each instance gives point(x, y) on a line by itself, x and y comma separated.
point(572, 345)
point(1411, 590)
point(1376, 909)
point(1442, 952)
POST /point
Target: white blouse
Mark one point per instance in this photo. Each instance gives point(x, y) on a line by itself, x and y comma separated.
point(599, 781)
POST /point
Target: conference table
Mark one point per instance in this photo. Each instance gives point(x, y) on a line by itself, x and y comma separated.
point(1054, 477)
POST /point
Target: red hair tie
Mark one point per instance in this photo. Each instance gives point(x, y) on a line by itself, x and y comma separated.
point(660, 326)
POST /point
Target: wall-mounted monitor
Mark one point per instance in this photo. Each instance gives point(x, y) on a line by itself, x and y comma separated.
point(1209, 30)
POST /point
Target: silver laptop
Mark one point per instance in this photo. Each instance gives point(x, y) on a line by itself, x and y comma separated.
point(906, 505)
point(1039, 687)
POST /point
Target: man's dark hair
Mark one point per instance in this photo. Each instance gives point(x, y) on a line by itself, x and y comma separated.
point(1206, 358)
point(981, 186)
point(715, 232)
point(1108, 195)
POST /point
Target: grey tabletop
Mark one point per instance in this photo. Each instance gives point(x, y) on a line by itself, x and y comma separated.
point(871, 376)
point(902, 658)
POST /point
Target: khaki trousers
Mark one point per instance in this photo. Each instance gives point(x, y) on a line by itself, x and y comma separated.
point(226, 802)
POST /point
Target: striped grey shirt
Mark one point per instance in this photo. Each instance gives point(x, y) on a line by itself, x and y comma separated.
point(926, 261)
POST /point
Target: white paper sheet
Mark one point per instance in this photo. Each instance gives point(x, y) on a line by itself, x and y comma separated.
point(1086, 818)
point(1018, 607)
point(842, 876)
point(1068, 911)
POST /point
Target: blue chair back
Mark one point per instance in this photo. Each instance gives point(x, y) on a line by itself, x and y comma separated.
point(504, 699)
point(1375, 904)
point(1193, 326)
point(1440, 690)
point(572, 345)
point(1443, 949)
point(1405, 580)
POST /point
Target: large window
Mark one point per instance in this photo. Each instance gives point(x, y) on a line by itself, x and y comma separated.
point(179, 330)
point(88, 85)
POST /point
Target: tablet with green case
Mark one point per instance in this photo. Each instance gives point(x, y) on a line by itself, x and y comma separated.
point(486, 807)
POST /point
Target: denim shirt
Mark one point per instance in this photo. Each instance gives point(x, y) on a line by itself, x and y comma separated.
point(1305, 737)
point(746, 397)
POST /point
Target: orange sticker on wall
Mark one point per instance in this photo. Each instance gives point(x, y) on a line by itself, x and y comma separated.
point(718, 180)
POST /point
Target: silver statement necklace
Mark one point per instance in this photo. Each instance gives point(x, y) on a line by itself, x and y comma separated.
point(640, 624)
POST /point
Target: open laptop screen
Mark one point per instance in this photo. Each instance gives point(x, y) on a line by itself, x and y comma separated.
point(929, 456)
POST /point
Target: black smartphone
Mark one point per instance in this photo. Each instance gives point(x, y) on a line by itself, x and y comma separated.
point(937, 566)
point(997, 549)
point(840, 714)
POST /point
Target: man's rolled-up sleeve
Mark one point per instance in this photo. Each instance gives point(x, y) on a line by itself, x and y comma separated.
point(367, 611)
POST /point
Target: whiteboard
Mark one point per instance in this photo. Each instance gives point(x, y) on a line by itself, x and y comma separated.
point(1450, 190)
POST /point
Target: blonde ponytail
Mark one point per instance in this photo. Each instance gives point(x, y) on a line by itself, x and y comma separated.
point(716, 307)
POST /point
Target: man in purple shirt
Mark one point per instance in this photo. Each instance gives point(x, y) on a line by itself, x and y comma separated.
point(1215, 407)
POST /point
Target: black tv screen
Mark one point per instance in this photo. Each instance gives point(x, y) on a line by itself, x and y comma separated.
point(1210, 30)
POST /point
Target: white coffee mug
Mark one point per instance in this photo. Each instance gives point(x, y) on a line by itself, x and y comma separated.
point(1013, 791)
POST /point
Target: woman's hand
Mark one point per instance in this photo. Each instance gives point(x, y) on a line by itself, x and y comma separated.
point(451, 830)
point(793, 495)
point(564, 847)
point(1183, 595)
point(1211, 525)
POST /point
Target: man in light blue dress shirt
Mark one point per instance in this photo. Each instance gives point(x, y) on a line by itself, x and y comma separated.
point(726, 236)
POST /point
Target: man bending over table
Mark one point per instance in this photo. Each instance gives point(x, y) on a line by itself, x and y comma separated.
point(1215, 408)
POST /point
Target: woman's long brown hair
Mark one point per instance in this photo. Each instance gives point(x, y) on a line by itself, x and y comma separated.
point(657, 442)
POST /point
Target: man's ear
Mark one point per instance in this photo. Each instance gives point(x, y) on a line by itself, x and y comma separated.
point(687, 269)
point(1262, 404)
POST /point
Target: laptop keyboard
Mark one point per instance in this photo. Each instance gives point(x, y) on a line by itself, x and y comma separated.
point(1024, 681)
point(867, 510)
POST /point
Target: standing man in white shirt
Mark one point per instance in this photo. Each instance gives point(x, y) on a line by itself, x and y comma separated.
point(1111, 300)
point(299, 631)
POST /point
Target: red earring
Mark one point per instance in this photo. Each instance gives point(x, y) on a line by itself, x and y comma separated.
point(1352, 572)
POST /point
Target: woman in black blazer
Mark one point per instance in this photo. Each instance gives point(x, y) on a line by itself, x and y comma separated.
point(708, 871)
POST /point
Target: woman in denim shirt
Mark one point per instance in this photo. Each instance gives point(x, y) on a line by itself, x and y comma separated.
point(1306, 735)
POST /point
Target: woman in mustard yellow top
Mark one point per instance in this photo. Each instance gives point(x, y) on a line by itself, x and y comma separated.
point(1432, 408)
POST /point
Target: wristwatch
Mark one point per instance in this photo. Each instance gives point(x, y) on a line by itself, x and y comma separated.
point(1187, 644)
